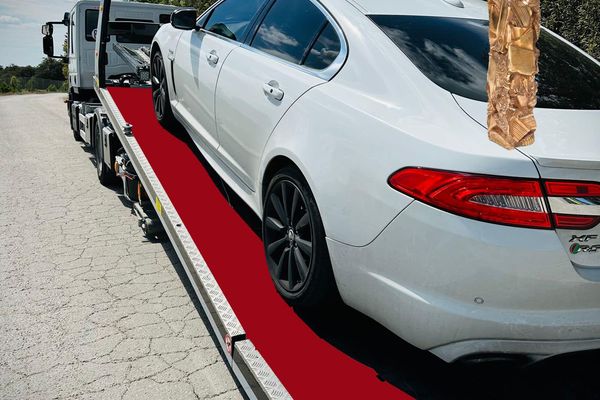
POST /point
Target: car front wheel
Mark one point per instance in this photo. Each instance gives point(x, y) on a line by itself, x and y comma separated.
point(160, 92)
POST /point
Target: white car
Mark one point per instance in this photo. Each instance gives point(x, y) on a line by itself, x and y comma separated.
point(356, 130)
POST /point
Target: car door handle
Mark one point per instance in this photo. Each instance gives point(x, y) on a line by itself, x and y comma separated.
point(272, 90)
point(212, 57)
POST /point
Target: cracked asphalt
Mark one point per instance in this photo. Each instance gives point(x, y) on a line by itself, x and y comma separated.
point(89, 308)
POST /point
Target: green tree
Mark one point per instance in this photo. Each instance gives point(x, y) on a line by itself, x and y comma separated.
point(50, 69)
point(15, 84)
point(65, 66)
point(578, 21)
point(52, 88)
point(200, 5)
point(4, 87)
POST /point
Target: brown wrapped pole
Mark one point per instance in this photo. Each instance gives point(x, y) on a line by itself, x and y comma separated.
point(511, 86)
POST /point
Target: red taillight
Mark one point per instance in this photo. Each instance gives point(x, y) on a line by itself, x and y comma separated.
point(564, 221)
point(509, 201)
point(565, 196)
point(572, 189)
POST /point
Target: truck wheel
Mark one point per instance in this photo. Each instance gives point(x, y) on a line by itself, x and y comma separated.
point(160, 92)
point(104, 174)
point(294, 241)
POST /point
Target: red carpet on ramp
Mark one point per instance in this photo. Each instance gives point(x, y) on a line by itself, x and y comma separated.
point(309, 367)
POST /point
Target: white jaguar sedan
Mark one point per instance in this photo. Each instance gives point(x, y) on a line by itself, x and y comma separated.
point(356, 129)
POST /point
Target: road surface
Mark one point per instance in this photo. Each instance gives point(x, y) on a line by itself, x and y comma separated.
point(89, 309)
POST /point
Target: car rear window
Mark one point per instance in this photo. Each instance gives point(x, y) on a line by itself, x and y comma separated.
point(454, 54)
point(325, 50)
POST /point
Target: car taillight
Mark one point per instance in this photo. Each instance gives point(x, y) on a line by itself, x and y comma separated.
point(573, 202)
point(503, 200)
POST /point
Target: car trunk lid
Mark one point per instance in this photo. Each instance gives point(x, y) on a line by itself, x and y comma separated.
point(567, 141)
point(564, 138)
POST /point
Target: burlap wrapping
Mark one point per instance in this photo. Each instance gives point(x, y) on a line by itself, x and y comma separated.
point(511, 86)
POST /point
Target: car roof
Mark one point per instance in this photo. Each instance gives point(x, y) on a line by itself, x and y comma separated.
point(440, 8)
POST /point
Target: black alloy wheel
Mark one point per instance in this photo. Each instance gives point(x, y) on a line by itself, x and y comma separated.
point(294, 241)
point(160, 91)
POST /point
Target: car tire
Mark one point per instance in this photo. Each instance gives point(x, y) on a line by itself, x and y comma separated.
point(160, 92)
point(294, 242)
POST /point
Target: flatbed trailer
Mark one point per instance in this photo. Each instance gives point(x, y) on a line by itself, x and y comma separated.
point(251, 370)
point(271, 350)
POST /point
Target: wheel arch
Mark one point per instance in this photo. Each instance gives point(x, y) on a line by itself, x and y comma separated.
point(275, 164)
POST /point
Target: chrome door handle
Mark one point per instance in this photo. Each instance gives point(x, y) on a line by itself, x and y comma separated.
point(212, 57)
point(272, 90)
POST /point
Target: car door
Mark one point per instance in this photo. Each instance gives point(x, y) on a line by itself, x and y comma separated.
point(294, 48)
point(199, 57)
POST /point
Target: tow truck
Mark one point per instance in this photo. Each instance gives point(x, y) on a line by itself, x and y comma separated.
point(271, 350)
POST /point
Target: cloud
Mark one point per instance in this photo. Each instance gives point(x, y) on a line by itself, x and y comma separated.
point(7, 19)
point(274, 36)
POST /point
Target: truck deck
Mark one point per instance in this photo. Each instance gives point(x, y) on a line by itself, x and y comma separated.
point(272, 349)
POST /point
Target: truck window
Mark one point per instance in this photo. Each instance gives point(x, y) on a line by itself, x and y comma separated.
point(164, 18)
point(91, 24)
point(72, 29)
point(133, 32)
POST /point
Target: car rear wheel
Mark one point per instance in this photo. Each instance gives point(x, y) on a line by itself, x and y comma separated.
point(160, 92)
point(294, 241)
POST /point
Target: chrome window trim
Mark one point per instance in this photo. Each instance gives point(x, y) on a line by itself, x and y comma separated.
point(325, 74)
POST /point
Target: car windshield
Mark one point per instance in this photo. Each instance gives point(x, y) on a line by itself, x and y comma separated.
point(454, 53)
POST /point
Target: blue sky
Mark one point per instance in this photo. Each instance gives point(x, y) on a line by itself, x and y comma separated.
point(20, 24)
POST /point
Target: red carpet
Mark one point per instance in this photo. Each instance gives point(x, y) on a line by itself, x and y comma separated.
point(309, 367)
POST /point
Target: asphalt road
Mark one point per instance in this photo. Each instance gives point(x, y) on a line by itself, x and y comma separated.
point(89, 308)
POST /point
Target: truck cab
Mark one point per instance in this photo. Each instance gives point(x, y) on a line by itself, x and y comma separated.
point(132, 25)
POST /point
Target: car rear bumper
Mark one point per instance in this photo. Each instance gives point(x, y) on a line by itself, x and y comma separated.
point(536, 349)
point(456, 286)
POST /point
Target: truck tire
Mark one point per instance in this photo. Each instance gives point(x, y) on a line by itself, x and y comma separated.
point(75, 126)
point(160, 92)
point(105, 175)
point(294, 242)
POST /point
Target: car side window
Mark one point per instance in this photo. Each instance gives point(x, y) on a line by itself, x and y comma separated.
point(232, 18)
point(325, 50)
point(289, 29)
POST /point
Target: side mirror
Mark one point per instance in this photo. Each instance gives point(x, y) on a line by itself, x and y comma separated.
point(66, 18)
point(184, 19)
point(47, 29)
point(49, 46)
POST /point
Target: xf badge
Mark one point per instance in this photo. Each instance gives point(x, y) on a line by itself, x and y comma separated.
point(582, 238)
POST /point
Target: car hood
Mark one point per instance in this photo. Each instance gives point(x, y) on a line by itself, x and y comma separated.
point(564, 138)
